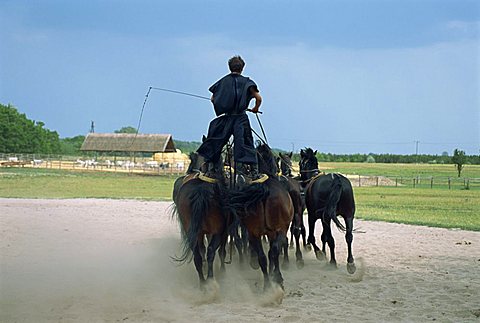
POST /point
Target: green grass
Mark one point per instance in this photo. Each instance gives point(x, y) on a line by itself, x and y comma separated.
point(46, 183)
point(438, 207)
point(431, 207)
point(405, 170)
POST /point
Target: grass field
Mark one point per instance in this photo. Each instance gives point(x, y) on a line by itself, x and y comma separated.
point(46, 183)
point(439, 207)
point(405, 170)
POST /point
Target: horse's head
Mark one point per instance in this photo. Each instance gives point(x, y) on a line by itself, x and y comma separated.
point(196, 162)
point(266, 160)
point(286, 163)
point(308, 163)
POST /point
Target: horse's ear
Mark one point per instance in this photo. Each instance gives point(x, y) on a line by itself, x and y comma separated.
point(204, 138)
point(302, 153)
point(290, 154)
point(315, 153)
point(281, 155)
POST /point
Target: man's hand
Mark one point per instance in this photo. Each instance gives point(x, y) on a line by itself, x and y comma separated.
point(251, 110)
point(258, 102)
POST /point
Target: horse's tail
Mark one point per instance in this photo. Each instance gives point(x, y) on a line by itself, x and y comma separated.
point(330, 211)
point(246, 197)
point(199, 203)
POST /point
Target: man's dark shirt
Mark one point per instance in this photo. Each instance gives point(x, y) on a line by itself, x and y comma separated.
point(231, 94)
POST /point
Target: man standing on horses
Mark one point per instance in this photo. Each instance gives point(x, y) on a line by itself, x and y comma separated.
point(230, 97)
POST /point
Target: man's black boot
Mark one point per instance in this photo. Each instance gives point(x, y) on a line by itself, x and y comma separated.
point(211, 170)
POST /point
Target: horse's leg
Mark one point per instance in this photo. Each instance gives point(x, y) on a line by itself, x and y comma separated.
point(256, 244)
point(254, 262)
point(215, 241)
point(198, 261)
point(284, 247)
point(244, 233)
point(275, 247)
point(331, 242)
point(303, 232)
point(349, 238)
point(298, 252)
point(292, 229)
point(311, 236)
point(324, 240)
point(306, 244)
point(222, 252)
point(238, 244)
point(270, 258)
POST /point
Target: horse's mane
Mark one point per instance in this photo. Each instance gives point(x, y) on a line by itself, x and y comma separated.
point(267, 163)
point(309, 154)
point(286, 163)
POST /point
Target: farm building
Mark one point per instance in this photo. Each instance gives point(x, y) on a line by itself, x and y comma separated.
point(128, 143)
point(160, 147)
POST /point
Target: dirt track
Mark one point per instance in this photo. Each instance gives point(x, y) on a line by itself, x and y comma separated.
point(109, 261)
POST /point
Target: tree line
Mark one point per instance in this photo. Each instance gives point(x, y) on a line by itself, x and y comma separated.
point(18, 134)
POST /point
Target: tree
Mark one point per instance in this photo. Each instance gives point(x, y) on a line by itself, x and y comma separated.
point(459, 160)
point(18, 134)
point(128, 129)
point(71, 146)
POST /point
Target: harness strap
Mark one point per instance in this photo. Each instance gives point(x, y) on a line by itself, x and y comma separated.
point(207, 179)
point(312, 180)
point(261, 179)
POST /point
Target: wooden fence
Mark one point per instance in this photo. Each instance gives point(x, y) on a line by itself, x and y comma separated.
point(178, 167)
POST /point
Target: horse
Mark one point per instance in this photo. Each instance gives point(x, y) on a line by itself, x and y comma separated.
point(198, 204)
point(326, 197)
point(265, 209)
point(296, 193)
point(196, 162)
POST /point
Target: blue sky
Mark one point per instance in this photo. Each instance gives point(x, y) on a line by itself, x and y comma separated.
point(338, 76)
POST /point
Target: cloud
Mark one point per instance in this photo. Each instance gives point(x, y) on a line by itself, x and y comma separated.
point(464, 28)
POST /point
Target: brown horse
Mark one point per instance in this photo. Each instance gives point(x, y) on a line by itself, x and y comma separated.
point(265, 209)
point(293, 187)
point(326, 196)
point(201, 212)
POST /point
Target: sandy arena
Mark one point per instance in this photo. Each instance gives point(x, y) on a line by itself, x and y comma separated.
point(109, 261)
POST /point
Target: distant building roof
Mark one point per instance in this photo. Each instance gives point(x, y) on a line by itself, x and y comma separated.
point(128, 142)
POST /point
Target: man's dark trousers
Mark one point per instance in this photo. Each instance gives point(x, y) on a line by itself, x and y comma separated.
point(220, 130)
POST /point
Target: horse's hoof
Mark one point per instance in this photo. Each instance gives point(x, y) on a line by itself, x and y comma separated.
point(307, 247)
point(332, 266)
point(254, 263)
point(320, 255)
point(285, 265)
point(351, 268)
point(300, 263)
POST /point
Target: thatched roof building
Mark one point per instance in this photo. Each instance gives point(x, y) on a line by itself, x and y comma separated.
point(127, 142)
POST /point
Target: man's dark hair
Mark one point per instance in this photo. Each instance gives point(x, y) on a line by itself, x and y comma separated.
point(236, 64)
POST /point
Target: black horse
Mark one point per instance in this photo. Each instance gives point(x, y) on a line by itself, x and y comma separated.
point(293, 187)
point(326, 197)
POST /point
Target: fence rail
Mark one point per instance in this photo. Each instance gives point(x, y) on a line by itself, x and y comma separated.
point(114, 164)
point(416, 181)
point(172, 166)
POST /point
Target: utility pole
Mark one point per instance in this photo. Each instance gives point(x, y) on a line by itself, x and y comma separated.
point(92, 127)
point(293, 147)
point(416, 150)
